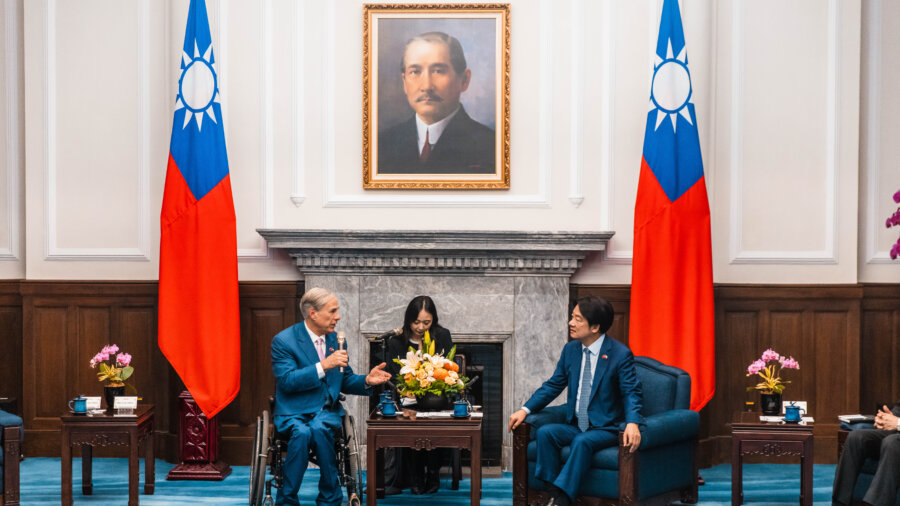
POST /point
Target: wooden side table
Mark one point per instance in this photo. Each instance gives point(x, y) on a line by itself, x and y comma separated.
point(750, 436)
point(108, 430)
point(422, 434)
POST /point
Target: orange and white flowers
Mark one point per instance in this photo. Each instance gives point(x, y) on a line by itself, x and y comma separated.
point(424, 371)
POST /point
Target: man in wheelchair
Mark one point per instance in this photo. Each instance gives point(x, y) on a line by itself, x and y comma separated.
point(311, 371)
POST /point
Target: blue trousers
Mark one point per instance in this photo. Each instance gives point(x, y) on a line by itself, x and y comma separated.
point(310, 432)
point(551, 438)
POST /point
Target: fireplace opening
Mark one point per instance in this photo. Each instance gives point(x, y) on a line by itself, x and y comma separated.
point(484, 366)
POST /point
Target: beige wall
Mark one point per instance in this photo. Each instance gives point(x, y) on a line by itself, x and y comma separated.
point(794, 104)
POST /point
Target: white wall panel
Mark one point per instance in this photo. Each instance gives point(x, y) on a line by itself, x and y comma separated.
point(97, 176)
point(787, 118)
point(880, 104)
point(11, 137)
point(785, 167)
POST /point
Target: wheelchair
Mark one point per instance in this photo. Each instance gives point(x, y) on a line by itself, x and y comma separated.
point(268, 452)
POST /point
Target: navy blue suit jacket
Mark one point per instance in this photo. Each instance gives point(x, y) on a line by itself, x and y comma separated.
point(616, 397)
point(298, 389)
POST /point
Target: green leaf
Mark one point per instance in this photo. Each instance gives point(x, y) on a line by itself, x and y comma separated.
point(452, 353)
point(127, 371)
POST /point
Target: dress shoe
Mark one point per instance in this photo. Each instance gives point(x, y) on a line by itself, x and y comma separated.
point(416, 490)
point(558, 497)
point(432, 481)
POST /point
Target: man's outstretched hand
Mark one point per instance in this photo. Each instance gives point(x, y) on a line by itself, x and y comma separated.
point(378, 375)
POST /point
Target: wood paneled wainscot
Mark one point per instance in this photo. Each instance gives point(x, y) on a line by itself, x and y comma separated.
point(820, 326)
point(65, 323)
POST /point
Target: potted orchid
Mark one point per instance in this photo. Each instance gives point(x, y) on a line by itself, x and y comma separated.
point(114, 367)
point(768, 368)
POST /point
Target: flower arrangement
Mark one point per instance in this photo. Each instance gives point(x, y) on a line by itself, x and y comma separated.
point(771, 378)
point(424, 371)
point(894, 220)
point(114, 372)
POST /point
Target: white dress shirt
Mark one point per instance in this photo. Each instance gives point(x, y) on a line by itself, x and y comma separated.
point(433, 130)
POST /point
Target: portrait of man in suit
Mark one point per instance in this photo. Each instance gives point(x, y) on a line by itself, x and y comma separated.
point(604, 397)
point(307, 362)
point(436, 96)
point(439, 137)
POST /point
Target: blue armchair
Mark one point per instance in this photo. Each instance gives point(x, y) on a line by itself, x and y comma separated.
point(663, 469)
point(11, 434)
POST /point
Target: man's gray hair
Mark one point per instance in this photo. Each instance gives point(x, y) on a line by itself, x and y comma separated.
point(314, 298)
point(457, 58)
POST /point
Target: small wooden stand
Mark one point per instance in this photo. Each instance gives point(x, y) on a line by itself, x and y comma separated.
point(198, 444)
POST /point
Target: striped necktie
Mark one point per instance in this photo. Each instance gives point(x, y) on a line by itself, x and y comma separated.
point(584, 397)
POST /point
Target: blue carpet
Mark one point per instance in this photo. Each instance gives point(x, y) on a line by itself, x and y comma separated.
point(764, 484)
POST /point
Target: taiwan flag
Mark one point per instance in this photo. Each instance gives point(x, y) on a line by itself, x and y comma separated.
point(672, 317)
point(199, 325)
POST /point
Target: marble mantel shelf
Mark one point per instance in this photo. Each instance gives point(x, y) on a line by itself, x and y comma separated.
point(436, 252)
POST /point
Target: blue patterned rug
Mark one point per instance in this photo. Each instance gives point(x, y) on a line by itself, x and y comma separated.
point(764, 484)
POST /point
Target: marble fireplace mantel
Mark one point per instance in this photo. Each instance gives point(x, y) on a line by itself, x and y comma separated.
point(488, 286)
point(436, 252)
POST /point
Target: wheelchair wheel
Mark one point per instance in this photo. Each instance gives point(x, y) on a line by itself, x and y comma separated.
point(354, 475)
point(259, 459)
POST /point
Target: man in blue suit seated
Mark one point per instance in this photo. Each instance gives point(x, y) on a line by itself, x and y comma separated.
point(604, 394)
point(306, 361)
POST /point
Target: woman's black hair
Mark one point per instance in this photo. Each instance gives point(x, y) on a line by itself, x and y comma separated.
point(422, 302)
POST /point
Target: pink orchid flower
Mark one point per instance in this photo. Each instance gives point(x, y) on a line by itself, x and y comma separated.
point(770, 354)
point(755, 367)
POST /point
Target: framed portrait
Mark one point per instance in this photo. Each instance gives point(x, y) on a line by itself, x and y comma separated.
point(436, 96)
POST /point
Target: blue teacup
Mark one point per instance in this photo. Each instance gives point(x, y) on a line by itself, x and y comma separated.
point(792, 413)
point(388, 408)
point(461, 409)
point(78, 405)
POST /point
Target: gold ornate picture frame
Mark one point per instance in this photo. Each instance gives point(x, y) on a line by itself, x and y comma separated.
point(436, 96)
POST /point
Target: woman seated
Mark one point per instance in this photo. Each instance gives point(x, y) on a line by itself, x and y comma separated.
point(404, 467)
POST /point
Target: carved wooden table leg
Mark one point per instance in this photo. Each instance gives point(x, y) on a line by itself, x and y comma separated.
point(134, 465)
point(87, 469)
point(149, 465)
point(66, 468)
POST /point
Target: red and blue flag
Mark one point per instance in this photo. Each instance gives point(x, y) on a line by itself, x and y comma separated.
point(672, 317)
point(199, 321)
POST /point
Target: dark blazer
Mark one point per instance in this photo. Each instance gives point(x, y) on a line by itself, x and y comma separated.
point(616, 397)
point(298, 389)
point(465, 147)
point(398, 346)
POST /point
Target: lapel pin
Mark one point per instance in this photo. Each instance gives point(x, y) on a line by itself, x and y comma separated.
point(604, 357)
point(331, 349)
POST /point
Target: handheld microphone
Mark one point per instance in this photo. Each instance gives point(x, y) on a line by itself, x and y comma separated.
point(341, 339)
point(387, 335)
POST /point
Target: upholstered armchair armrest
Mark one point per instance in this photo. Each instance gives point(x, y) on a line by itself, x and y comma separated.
point(552, 414)
point(670, 427)
point(9, 419)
